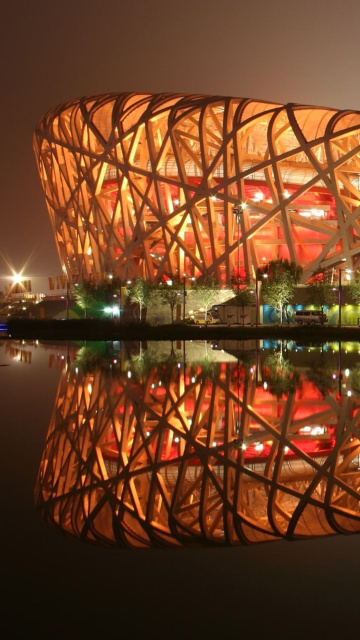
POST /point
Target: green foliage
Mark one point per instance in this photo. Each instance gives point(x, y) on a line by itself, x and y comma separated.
point(87, 360)
point(244, 298)
point(85, 295)
point(206, 290)
point(277, 293)
point(279, 280)
point(205, 369)
point(241, 285)
point(280, 376)
point(240, 279)
point(141, 365)
point(354, 379)
point(109, 290)
point(95, 355)
point(92, 296)
point(321, 295)
point(275, 269)
point(354, 288)
point(320, 290)
point(139, 292)
point(322, 379)
point(170, 294)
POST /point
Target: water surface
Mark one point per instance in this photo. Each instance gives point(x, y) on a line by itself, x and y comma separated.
point(203, 447)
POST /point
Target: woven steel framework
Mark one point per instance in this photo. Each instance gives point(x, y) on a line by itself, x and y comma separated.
point(146, 185)
point(184, 459)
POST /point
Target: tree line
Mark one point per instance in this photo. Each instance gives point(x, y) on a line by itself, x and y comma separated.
point(90, 295)
point(278, 278)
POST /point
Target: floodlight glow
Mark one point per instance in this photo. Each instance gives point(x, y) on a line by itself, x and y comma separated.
point(17, 278)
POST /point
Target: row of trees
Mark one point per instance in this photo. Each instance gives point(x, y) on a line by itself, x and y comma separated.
point(278, 277)
point(91, 296)
point(280, 375)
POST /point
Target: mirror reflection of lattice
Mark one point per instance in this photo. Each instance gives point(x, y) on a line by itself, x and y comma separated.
point(186, 456)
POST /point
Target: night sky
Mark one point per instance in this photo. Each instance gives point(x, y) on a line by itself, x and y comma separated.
point(51, 52)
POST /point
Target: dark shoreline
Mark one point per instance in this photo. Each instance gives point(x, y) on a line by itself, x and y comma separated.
point(107, 330)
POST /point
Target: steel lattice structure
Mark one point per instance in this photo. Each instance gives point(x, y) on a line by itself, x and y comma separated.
point(179, 458)
point(146, 185)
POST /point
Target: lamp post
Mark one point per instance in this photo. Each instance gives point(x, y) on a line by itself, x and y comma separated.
point(238, 211)
point(256, 300)
point(339, 367)
point(339, 298)
point(67, 297)
point(184, 296)
point(348, 278)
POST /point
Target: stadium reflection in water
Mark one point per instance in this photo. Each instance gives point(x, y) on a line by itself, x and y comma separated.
point(143, 453)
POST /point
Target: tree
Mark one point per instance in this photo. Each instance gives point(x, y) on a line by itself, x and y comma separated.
point(141, 365)
point(280, 375)
point(171, 294)
point(109, 290)
point(279, 279)
point(206, 290)
point(90, 295)
point(321, 291)
point(354, 288)
point(355, 379)
point(323, 379)
point(92, 357)
point(139, 292)
point(205, 369)
point(244, 298)
point(240, 278)
point(240, 283)
point(85, 295)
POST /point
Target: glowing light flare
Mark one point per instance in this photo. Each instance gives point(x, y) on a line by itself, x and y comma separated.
point(17, 278)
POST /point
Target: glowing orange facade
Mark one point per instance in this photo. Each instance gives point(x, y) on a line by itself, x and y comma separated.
point(187, 456)
point(146, 185)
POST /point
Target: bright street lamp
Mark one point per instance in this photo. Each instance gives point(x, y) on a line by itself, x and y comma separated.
point(17, 278)
point(347, 277)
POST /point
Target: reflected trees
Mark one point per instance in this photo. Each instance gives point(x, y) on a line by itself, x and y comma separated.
point(195, 455)
point(280, 375)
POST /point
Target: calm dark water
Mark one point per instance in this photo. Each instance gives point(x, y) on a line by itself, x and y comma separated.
point(204, 447)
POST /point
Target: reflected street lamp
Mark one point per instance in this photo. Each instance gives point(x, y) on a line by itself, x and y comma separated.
point(339, 297)
point(257, 300)
point(184, 296)
point(67, 297)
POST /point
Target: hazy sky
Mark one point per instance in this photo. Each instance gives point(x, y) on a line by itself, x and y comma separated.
point(278, 50)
